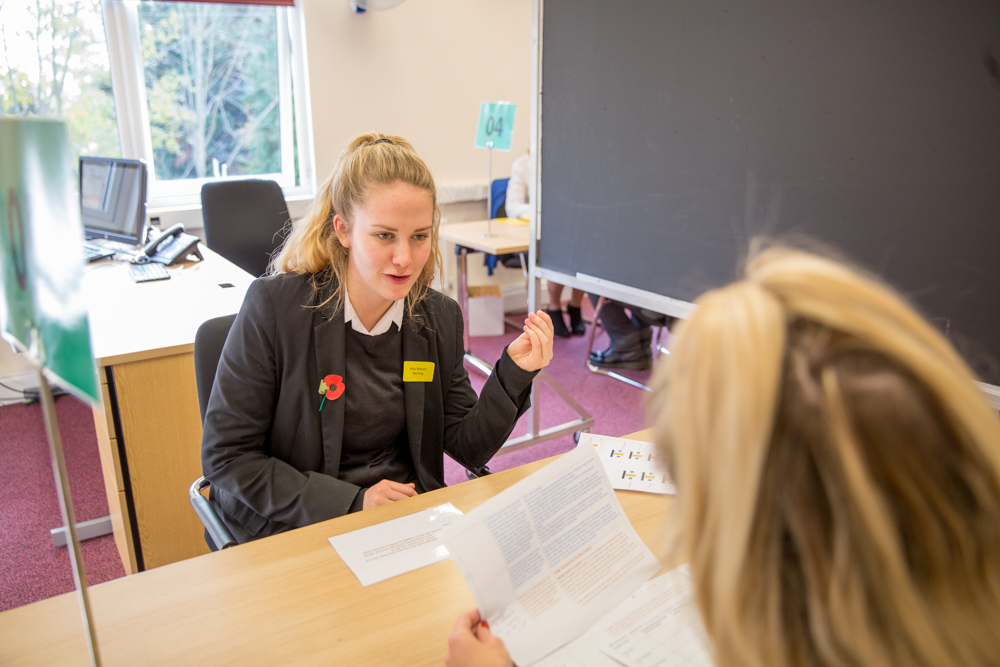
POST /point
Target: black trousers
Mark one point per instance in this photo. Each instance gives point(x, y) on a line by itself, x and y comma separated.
point(628, 333)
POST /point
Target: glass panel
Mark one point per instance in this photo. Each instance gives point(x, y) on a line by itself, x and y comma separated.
point(54, 62)
point(211, 88)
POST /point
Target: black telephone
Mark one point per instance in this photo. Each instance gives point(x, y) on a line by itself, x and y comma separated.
point(172, 246)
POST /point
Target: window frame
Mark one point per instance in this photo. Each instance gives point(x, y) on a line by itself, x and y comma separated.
point(121, 21)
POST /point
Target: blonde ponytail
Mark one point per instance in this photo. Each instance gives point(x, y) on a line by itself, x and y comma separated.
point(838, 474)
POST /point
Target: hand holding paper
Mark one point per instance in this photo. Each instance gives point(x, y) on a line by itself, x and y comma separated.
point(549, 556)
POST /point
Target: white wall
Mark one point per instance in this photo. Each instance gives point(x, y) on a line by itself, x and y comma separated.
point(420, 71)
point(16, 372)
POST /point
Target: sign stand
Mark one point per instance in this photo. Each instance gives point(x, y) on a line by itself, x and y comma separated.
point(41, 309)
point(489, 190)
point(69, 520)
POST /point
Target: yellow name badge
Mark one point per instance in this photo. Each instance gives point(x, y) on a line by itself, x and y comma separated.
point(418, 371)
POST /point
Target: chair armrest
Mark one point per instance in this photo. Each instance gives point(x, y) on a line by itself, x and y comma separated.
point(216, 530)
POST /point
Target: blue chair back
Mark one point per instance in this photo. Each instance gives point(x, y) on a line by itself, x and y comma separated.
point(498, 192)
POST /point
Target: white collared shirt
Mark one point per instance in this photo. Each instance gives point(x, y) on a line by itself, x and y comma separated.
point(392, 316)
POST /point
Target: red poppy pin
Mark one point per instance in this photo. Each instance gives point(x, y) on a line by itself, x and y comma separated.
point(331, 387)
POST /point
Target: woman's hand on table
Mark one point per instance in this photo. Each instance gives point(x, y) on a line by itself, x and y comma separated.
point(532, 350)
point(471, 644)
point(387, 491)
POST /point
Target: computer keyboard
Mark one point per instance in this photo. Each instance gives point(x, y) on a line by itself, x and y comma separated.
point(94, 252)
point(142, 273)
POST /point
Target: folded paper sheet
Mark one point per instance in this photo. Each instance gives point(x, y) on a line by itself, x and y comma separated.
point(394, 547)
point(549, 556)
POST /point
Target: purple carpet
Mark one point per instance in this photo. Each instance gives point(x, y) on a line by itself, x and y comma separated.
point(31, 569)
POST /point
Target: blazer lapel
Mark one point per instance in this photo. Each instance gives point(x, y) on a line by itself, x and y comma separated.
point(329, 337)
point(414, 349)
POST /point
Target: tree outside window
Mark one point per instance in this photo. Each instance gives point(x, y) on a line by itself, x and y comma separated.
point(204, 91)
point(54, 62)
point(211, 74)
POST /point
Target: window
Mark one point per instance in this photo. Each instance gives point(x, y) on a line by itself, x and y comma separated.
point(213, 90)
point(201, 91)
point(54, 62)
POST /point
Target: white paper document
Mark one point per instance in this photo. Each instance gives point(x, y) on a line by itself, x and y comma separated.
point(391, 548)
point(657, 625)
point(631, 465)
point(661, 628)
point(549, 556)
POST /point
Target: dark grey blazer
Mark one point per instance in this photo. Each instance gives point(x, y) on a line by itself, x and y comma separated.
point(272, 456)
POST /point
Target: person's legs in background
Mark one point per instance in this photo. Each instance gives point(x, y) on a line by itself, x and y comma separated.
point(630, 338)
point(576, 326)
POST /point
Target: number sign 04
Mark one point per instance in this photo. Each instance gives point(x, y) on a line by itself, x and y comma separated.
point(496, 125)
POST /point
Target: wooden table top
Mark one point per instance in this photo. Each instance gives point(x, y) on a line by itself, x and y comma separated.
point(506, 239)
point(286, 599)
point(131, 321)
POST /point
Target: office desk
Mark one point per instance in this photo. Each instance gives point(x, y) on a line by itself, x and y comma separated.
point(286, 599)
point(506, 238)
point(148, 423)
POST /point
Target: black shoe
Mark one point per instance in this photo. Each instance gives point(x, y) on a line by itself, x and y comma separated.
point(612, 358)
point(576, 324)
point(558, 323)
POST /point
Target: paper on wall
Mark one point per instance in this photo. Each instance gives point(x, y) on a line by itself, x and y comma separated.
point(549, 556)
point(393, 547)
point(631, 465)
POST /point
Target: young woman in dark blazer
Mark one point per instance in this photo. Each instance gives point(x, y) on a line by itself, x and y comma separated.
point(342, 384)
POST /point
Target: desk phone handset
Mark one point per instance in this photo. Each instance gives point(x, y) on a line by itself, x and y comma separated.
point(172, 246)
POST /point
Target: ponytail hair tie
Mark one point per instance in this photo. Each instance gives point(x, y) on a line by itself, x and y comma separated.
point(383, 140)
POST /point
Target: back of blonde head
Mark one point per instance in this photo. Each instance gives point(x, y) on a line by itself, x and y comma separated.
point(368, 161)
point(838, 474)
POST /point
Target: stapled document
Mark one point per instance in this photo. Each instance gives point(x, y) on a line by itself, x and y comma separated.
point(550, 555)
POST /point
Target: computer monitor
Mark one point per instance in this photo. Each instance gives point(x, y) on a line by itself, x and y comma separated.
point(113, 199)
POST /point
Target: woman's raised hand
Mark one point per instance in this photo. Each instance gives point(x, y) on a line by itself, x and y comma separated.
point(532, 350)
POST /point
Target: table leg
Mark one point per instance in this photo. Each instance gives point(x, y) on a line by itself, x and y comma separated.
point(463, 302)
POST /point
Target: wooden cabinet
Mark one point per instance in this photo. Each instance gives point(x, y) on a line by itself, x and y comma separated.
point(148, 423)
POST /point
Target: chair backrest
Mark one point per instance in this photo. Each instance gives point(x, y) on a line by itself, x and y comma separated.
point(243, 221)
point(208, 343)
point(498, 194)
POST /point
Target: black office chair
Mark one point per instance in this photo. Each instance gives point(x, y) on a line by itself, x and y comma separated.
point(243, 221)
point(208, 343)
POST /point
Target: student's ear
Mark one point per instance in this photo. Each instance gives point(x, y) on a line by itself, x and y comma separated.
point(340, 226)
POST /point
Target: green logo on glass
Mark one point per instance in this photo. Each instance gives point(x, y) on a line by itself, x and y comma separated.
point(496, 125)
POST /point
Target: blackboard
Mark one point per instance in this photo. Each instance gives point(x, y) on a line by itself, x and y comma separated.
point(674, 132)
